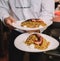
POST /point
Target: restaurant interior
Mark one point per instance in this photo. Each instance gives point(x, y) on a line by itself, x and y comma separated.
point(53, 31)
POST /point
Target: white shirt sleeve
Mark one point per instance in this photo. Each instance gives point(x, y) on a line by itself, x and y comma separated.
point(47, 11)
point(4, 9)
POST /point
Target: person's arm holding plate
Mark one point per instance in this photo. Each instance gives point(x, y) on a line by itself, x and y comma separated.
point(47, 11)
point(5, 16)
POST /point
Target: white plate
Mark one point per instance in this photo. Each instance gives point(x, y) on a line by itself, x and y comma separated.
point(17, 25)
point(19, 43)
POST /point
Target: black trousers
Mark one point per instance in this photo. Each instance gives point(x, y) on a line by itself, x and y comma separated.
point(14, 53)
point(17, 55)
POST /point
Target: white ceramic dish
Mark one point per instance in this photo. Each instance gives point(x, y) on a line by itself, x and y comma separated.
point(19, 43)
point(17, 25)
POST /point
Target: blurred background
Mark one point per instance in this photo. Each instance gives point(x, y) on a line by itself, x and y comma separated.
point(53, 30)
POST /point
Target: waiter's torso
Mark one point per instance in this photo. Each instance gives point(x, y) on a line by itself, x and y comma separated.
point(25, 9)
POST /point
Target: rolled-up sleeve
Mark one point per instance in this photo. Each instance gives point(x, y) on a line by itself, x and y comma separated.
point(4, 9)
point(47, 11)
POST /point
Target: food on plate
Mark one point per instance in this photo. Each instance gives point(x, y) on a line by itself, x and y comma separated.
point(38, 41)
point(33, 23)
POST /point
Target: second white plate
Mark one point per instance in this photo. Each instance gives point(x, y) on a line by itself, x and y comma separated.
point(19, 43)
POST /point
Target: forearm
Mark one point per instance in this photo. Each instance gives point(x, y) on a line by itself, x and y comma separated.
point(4, 9)
point(47, 12)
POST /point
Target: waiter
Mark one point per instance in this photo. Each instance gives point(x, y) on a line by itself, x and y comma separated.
point(13, 10)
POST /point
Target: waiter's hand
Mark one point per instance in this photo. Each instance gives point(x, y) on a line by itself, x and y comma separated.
point(8, 21)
